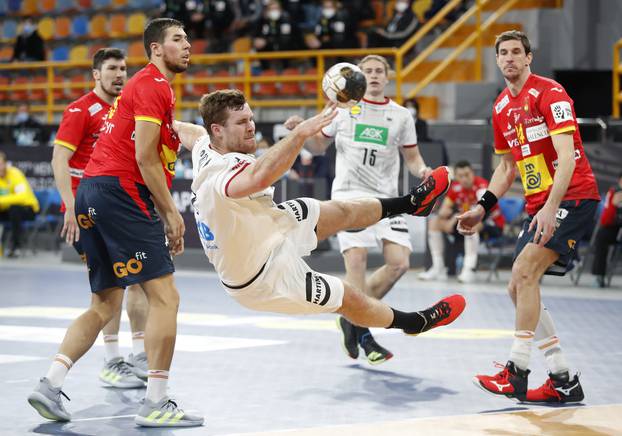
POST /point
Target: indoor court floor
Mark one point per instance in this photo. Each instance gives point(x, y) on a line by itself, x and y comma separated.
point(264, 374)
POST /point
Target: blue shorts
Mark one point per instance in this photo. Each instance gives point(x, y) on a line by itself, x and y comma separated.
point(575, 219)
point(120, 232)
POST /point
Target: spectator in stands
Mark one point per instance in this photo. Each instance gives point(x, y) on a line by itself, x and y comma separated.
point(276, 31)
point(219, 18)
point(29, 45)
point(463, 193)
point(335, 28)
point(27, 130)
point(421, 125)
point(248, 14)
point(610, 224)
point(191, 13)
point(17, 203)
point(398, 29)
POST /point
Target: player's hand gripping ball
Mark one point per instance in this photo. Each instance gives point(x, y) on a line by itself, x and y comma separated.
point(344, 84)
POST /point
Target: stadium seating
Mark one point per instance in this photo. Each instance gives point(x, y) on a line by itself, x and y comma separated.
point(9, 29)
point(46, 28)
point(62, 27)
point(117, 25)
point(79, 26)
point(79, 52)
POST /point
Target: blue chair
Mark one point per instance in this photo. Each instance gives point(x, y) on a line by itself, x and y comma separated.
point(48, 219)
point(15, 5)
point(9, 29)
point(60, 53)
point(80, 25)
point(100, 4)
point(64, 5)
point(512, 210)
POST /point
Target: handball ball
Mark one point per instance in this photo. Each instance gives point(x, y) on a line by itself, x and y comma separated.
point(344, 84)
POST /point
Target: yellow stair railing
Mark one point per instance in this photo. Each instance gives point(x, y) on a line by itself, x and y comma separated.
point(616, 72)
point(475, 37)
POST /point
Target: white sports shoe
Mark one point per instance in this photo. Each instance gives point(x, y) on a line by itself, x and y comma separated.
point(117, 373)
point(466, 276)
point(433, 274)
point(166, 413)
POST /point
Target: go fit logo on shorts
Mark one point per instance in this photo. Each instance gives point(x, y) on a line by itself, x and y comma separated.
point(85, 221)
point(132, 266)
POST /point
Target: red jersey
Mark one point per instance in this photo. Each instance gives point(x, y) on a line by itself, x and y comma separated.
point(146, 97)
point(465, 198)
point(611, 215)
point(523, 125)
point(79, 128)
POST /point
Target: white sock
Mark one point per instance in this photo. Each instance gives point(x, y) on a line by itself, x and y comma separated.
point(58, 370)
point(521, 348)
point(138, 342)
point(547, 341)
point(111, 347)
point(156, 384)
point(435, 241)
point(471, 245)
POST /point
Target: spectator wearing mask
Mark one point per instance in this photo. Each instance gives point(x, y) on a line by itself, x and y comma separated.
point(220, 16)
point(607, 233)
point(421, 125)
point(29, 44)
point(27, 130)
point(276, 31)
point(399, 29)
point(17, 203)
point(335, 28)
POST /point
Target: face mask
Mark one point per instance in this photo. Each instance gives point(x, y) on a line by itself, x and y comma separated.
point(401, 6)
point(328, 13)
point(21, 117)
point(274, 15)
point(412, 111)
point(28, 29)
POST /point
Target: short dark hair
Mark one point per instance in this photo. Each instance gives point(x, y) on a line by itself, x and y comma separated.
point(156, 30)
point(103, 54)
point(213, 106)
point(513, 35)
point(462, 164)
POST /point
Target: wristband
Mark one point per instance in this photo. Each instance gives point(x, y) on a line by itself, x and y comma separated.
point(488, 201)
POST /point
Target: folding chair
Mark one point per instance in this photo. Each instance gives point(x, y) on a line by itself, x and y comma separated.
point(48, 218)
point(512, 210)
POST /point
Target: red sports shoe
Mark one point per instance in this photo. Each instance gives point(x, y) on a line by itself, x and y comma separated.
point(442, 313)
point(557, 389)
point(424, 196)
point(511, 382)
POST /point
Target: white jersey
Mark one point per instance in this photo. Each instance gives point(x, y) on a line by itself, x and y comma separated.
point(367, 137)
point(237, 234)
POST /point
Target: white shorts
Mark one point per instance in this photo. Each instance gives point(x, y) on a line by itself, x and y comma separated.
point(394, 229)
point(286, 284)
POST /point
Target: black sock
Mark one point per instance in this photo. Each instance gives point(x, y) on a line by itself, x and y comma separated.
point(396, 206)
point(411, 322)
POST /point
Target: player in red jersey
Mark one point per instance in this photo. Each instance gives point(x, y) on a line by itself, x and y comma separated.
point(76, 136)
point(125, 240)
point(461, 196)
point(535, 129)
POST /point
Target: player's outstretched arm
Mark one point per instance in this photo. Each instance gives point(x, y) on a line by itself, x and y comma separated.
point(501, 180)
point(316, 144)
point(188, 133)
point(279, 158)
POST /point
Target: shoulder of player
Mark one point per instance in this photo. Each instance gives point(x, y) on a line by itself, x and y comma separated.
point(479, 181)
point(543, 84)
point(80, 104)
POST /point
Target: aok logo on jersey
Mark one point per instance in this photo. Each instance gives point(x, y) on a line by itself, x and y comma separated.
point(534, 174)
point(371, 134)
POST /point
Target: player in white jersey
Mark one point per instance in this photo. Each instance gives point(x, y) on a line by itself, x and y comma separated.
point(256, 246)
point(369, 138)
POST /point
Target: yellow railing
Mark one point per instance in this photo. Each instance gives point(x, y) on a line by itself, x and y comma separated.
point(475, 37)
point(244, 61)
point(616, 71)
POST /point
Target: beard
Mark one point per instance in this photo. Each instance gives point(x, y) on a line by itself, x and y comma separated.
point(111, 90)
point(174, 67)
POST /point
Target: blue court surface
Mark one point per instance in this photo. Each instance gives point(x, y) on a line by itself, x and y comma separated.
point(259, 373)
